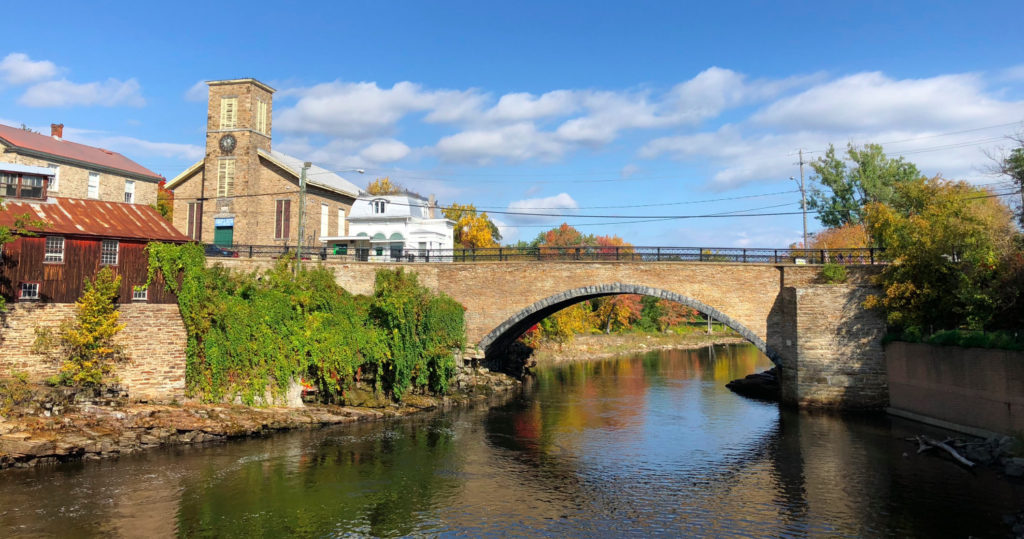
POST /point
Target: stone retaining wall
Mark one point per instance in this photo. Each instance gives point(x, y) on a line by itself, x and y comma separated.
point(154, 339)
point(973, 387)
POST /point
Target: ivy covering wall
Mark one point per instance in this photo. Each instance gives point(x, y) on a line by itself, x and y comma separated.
point(250, 332)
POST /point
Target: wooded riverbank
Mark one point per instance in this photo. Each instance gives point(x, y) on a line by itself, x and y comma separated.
point(603, 346)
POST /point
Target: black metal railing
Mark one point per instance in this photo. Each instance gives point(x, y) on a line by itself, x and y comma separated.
point(516, 254)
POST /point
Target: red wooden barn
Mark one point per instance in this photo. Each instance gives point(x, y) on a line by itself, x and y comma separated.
point(80, 237)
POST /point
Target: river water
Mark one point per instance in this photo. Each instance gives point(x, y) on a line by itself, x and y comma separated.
point(651, 444)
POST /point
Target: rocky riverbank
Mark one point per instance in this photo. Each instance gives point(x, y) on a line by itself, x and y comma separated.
point(603, 346)
point(58, 426)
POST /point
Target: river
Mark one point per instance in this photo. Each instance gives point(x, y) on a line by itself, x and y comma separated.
point(651, 444)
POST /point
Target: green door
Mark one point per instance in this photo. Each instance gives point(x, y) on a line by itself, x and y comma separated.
point(224, 235)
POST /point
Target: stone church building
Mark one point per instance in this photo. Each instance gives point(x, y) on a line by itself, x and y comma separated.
point(245, 193)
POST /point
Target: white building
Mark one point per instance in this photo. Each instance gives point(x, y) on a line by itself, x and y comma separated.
point(394, 228)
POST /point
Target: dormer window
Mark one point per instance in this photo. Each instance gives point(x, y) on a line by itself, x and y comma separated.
point(378, 206)
point(19, 185)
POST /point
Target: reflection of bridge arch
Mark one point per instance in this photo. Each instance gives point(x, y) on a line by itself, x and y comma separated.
point(509, 330)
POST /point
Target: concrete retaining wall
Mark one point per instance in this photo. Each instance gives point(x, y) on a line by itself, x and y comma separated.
point(974, 387)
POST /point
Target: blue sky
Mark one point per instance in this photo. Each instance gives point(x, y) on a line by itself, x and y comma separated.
point(645, 109)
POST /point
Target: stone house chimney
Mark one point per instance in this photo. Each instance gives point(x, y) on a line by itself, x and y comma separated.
point(57, 131)
point(432, 204)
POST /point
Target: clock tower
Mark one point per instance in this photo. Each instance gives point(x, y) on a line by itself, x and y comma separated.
point(238, 125)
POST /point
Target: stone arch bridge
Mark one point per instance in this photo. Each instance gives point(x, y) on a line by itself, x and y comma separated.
point(826, 345)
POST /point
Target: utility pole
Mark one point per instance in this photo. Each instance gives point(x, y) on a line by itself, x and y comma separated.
point(803, 195)
point(302, 215)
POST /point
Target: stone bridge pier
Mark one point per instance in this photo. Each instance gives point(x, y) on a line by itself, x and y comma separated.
point(826, 345)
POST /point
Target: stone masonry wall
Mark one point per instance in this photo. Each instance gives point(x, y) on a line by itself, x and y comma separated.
point(154, 339)
point(832, 348)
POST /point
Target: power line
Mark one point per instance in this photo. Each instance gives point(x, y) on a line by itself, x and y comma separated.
point(937, 135)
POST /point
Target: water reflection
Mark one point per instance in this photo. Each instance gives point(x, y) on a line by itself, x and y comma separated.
point(646, 445)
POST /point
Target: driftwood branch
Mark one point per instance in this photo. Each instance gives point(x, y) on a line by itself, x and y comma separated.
point(925, 443)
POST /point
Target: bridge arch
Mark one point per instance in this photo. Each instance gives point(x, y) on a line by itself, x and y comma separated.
point(509, 330)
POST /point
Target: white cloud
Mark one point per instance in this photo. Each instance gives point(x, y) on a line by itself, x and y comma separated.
point(64, 93)
point(874, 101)
point(385, 151)
point(509, 233)
point(134, 147)
point(918, 118)
point(18, 68)
point(560, 203)
point(517, 142)
point(518, 107)
point(198, 92)
point(356, 110)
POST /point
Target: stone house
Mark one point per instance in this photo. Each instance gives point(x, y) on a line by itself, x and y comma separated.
point(394, 227)
point(75, 170)
point(245, 193)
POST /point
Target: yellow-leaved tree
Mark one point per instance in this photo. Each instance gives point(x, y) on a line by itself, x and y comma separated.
point(473, 230)
point(86, 345)
point(384, 186)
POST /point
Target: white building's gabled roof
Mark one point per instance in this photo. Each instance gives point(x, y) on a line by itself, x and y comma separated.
point(317, 176)
point(396, 206)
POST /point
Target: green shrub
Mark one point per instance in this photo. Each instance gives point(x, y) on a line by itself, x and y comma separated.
point(14, 391)
point(834, 273)
point(250, 332)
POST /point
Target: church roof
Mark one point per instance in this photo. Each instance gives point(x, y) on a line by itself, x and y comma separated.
point(317, 176)
point(43, 146)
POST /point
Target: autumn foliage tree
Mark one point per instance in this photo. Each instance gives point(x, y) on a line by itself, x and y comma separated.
point(86, 345)
point(946, 240)
point(473, 230)
point(164, 201)
point(383, 187)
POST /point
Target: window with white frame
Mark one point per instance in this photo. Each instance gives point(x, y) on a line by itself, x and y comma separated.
point(226, 177)
point(94, 185)
point(261, 116)
point(108, 252)
point(140, 294)
point(325, 217)
point(55, 181)
point(228, 112)
point(341, 222)
point(54, 250)
point(28, 291)
point(129, 191)
point(378, 206)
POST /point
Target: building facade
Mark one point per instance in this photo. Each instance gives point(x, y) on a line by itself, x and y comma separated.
point(77, 238)
point(75, 170)
point(394, 228)
point(245, 193)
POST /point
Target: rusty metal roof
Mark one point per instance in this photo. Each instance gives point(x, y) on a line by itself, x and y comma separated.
point(42, 144)
point(80, 217)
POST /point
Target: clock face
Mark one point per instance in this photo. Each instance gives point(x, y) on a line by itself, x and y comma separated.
point(227, 143)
